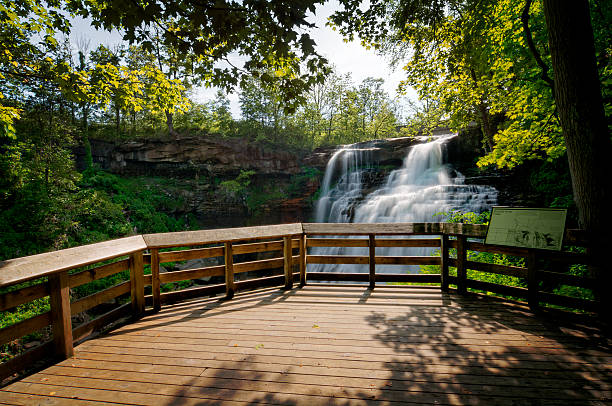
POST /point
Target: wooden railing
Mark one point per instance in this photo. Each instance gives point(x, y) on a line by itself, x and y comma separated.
point(54, 274)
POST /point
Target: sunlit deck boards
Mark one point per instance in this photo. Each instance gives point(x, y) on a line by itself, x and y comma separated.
point(338, 345)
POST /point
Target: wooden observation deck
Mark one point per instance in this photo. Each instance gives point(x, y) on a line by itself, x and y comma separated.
point(312, 344)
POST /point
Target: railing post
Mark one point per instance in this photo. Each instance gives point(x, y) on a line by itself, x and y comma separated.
point(444, 262)
point(303, 260)
point(461, 265)
point(288, 256)
point(372, 260)
point(532, 281)
point(229, 271)
point(155, 282)
point(59, 287)
point(137, 283)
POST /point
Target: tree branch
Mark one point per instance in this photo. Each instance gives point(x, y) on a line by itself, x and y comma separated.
point(532, 47)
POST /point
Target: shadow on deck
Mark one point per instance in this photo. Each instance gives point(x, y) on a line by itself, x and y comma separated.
point(333, 345)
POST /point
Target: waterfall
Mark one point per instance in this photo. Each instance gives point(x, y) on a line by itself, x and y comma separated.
point(346, 168)
point(419, 191)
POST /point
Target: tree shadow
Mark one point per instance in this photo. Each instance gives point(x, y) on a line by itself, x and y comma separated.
point(393, 345)
point(469, 350)
point(480, 351)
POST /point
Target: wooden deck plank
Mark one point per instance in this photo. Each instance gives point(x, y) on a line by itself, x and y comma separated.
point(258, 347)
point(212, 383)
point(334, 370)
point(14, 398)
point(349, 361)
point(333, 345)
point(304, 375)
point(352, 340)
point(313, 335)
point(490, 343)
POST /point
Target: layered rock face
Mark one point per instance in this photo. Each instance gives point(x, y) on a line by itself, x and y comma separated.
point(189, 156)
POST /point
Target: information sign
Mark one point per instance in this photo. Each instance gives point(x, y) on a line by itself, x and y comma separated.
point(527, 227)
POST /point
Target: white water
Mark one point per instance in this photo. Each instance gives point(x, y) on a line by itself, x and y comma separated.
point(419, 191)
point(347, 167)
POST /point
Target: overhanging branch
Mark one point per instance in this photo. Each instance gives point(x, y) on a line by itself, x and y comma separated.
point(532, 47)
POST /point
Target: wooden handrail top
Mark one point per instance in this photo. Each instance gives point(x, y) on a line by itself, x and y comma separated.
point(35, 266)
point(201, 237)
point(469, 230)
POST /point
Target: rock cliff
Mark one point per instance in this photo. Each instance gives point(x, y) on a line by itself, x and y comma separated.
point(189, 156)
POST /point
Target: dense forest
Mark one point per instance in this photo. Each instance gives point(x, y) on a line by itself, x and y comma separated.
point(490, 64)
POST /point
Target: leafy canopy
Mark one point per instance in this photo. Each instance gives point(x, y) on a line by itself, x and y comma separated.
point(32, 58)
point(483, 61)
point(266, 35)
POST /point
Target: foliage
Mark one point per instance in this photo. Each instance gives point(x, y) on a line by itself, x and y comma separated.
point(551, 181)
point(258, 197)
point(335, 111)
point(143, 202)
point(24, 312)
point(457, 216)
point(27, 67)
point(16, 315)
point(299, 182)
point(38, 221)
point(238, 186)
point(423, 118)
point(575, 291)
point(473, 60)
point(265, 35)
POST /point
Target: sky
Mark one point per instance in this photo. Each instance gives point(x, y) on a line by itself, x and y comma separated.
point(345, 57)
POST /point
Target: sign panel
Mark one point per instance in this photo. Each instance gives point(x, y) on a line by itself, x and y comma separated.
point(527, 227)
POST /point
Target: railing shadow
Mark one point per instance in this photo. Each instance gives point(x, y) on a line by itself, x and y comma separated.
point(447, 350)
point(203, 308)
point(463, 351)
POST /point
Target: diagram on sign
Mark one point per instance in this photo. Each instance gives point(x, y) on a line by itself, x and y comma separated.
point(526, 227)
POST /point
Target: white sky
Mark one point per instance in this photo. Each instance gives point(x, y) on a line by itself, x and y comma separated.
point(346, 57)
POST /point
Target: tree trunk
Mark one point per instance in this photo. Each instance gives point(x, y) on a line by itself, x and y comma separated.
point(133, 119)
point(485, 119)
point(117, 121)
point(86, 143)
point(488, 131)
point(170, 124)
point(581, 112)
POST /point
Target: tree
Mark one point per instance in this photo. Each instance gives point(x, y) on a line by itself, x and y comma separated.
point(581, 111)
point(377, 112)
point(221, 118)
point(177, 67)
point(103, 56)
point(264, 33)
point(23, 61)
point(472, 60)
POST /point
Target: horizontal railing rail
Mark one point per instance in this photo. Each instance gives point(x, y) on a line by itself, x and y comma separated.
point(253, 257)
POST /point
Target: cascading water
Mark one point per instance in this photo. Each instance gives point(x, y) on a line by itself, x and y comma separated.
point(347, 167)
point(419, 191)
